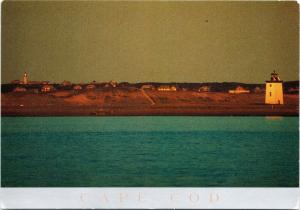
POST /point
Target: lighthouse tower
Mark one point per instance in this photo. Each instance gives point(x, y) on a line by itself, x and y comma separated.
point(25, 78)
point(274, 91)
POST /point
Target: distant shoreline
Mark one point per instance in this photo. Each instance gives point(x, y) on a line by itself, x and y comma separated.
point(119, 102)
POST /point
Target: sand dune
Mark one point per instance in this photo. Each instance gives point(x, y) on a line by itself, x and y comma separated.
point(79, 100)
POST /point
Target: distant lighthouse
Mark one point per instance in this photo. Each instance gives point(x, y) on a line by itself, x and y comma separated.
point(274, 90)
point(25, 79)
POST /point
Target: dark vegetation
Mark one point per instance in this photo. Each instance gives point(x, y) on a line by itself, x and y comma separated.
point(214, 86)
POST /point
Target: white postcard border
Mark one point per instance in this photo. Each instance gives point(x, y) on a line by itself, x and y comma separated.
point(149, 198)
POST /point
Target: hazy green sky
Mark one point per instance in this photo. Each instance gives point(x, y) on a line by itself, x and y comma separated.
point(149, 41)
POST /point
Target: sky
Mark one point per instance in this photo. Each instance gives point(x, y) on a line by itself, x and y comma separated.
point(82, 41)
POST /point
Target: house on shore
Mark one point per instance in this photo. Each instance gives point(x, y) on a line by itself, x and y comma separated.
point(166, 88)
point(47, 88)
point(113, 83)
point(148, 87)
point(90, 87)
point(204, 89)
point(77, 87)
point(239, 90)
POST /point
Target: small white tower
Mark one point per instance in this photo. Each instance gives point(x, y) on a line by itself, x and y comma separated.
point(274, 90)
point(25, 78)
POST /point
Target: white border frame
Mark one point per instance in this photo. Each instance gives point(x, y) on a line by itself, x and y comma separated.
point(148, 198)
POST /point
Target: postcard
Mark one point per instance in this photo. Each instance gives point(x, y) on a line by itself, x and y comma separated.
point(149, 104)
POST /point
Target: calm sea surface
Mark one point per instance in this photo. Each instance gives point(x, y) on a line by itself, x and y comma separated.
point(149, 151)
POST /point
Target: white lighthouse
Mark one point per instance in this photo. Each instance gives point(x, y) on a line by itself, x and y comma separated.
point(25, 78)
point(274, 90)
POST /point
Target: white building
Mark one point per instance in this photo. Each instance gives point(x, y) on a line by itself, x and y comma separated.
point(274, 90)
point(238, 90)
point(166, 88)
point(47, 88)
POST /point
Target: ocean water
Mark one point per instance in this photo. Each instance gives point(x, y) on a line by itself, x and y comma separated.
point(149, 151)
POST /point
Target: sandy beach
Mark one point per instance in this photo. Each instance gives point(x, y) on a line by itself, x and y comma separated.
point(125, 102)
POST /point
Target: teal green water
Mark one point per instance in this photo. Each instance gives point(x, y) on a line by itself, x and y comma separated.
point(149, 151)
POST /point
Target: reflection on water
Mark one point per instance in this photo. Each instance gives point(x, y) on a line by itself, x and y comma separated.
point(273, 117)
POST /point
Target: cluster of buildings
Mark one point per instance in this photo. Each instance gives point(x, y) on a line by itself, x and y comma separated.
point(171, 88)
point(47, 87)
point(273, 90)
